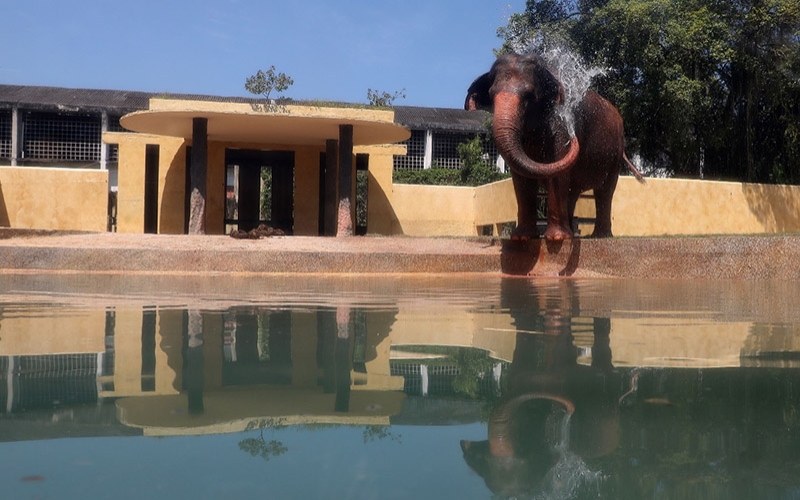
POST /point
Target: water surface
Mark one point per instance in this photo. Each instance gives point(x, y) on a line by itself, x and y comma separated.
point(397, 387)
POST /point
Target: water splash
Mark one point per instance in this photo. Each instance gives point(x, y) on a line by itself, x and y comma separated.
point(575, 76)
point(570, 475)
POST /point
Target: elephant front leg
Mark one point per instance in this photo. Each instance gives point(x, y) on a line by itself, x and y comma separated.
point(526, 191)
point(558, 219)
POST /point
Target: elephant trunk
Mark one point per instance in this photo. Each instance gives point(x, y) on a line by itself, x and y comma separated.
point(508, 137)
point(500, 438)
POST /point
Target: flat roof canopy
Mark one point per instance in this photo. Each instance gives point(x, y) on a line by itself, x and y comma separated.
point(277, 128)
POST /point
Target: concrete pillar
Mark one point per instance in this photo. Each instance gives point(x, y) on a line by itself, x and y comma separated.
point(198, 172)
point(428, 161)
point(331, 187)
point(103, 145)
point(501, 164)
point(16, 136)
point(345, 215)
point(423, 375)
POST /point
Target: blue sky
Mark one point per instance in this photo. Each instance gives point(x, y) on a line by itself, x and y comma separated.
point(334, 50)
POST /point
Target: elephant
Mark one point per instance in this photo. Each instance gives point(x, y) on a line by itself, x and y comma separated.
point(523, 94)
point(552, 409)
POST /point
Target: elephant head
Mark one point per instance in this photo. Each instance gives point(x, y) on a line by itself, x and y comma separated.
point(529, 435)
point(522, 93)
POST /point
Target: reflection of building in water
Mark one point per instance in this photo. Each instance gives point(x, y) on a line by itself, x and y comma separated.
point(301, 365)
point(47, 359)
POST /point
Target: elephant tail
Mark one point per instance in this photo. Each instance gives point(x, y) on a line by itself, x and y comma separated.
point(634, 170)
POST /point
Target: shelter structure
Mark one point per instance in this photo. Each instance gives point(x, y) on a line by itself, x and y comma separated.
point(212, 167)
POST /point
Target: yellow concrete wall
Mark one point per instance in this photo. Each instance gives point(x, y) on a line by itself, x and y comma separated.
point(380, 214)
point(433, 210)
point(53, 198)
point(495, 205)
point(306, 190)
point(660, 207)
point(130, 181)
point(677, 206)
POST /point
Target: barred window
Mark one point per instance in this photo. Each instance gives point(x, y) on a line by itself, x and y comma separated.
point(445, 144)
point(489, 149)
point(445, 148)
point(62, 136)
point(414, 159)
point(114, 125)
point(5, 134)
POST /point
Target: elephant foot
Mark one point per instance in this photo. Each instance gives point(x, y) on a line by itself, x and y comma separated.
point(557, 233)
point(524, 233)
point(606, 233)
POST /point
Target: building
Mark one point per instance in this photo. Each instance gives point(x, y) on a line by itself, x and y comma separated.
point(258, 172)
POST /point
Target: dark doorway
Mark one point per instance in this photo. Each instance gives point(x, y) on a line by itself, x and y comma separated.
point(151, 188)
point(259, 189)
point(362, 195)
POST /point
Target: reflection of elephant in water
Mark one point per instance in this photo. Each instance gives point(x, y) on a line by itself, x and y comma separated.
point(544, 386)
point(534, 141)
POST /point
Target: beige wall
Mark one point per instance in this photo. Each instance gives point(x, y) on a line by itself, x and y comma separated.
point(53, 198)
point(675, 206)
point(659, 207)
point(381, 218)
point(433, 210)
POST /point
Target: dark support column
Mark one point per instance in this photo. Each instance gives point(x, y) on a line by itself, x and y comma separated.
point(198, 171)
point(331, 180)
point(151, 158)
point(345, 215)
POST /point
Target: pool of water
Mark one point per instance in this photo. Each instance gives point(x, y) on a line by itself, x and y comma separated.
point(397, 387)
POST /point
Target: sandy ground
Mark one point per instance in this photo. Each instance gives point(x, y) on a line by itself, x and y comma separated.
point(720, 257)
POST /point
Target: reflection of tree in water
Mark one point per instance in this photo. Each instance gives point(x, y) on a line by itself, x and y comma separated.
point(380, 432)
point(473, 365)
point(259, 446)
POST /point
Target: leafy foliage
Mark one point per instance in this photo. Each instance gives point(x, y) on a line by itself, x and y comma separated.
point(707, 88)
point(384, 99)
point(263, 83)
point(475, 170)
point(259, 446)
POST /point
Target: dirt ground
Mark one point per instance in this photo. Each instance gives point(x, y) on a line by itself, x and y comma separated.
point(716, 257)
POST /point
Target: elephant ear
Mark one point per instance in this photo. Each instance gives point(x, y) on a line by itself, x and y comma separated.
point(478, 94)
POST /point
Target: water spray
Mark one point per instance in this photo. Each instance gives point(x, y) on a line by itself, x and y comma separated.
point(575, 76)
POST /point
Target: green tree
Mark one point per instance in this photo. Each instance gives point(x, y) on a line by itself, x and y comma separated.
point(264, 83)
point(475, 168)
point(384, 99)
point(706, 87)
